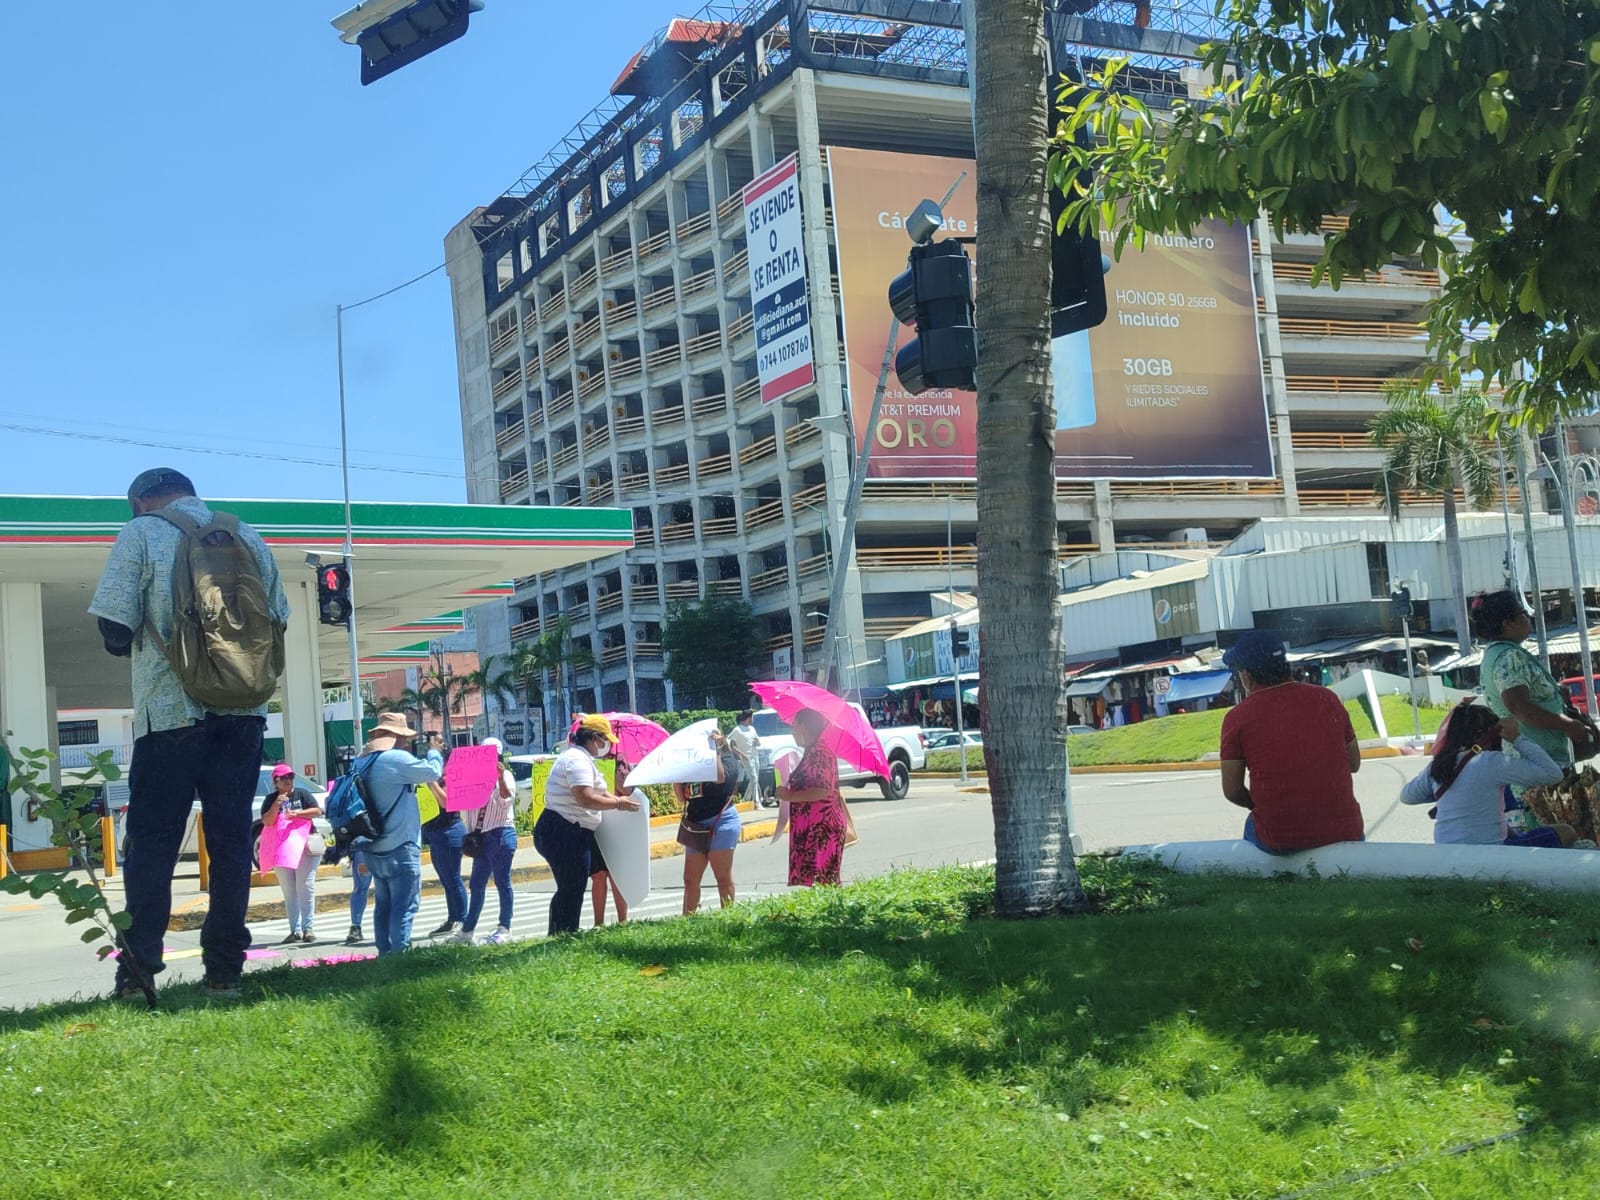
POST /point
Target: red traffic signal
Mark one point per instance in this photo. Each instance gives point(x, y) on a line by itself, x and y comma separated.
point(334, 603)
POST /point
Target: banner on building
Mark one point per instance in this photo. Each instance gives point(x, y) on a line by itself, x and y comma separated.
point(1176, 610)
point(1169, 387)
point(777, 265)
point(783, 663)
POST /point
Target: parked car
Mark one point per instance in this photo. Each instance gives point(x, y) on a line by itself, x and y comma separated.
point(1573, 690)
point(950, 739)
point(902, 746)
point(522, 772)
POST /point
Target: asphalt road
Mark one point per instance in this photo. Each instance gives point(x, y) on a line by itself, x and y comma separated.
point(41, 958)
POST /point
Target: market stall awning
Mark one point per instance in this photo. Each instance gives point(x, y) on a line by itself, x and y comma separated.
point(1086, 687)
point(1157, 664)
point(1327, 648)
point(930, 682)
point(1197, 685)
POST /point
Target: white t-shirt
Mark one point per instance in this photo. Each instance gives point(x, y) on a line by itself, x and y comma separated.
point(573, 769)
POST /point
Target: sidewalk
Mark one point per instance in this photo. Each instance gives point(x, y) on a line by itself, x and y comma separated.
point(189, 904)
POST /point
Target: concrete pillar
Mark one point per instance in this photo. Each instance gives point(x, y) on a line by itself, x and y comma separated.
point(1104, 525)
point(304, 747)
point(25, 711)
point(1276, 378)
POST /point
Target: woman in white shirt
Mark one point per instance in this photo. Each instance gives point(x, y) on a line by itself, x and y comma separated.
point(575, 796)
point(496, 827)
point(1468, 779)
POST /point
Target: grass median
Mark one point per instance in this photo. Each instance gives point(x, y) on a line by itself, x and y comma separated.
point(1189, 737)
point(1197, 1037)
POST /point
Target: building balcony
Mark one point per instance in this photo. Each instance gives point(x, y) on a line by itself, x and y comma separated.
point(800, 431)
point(655, 245)
point(511, 484)
point(525, 630)
point(716, 527)
point(558, 407)
point(595, 440)
point(639, 481)
point(580, 287)
point(692, 229)
point(621, 318)
point(744, 326)
point(625, 369)
point(1384, 345)
point(713, 465)
point(899, 558)
point(564, 457)
point(699, 287)
point(644, 595)
point(669, 414)
point(659, 303)
point(509, 434)
point(731, 211)
point(504, 342)
point(748, 390)
point(552, 309)
point(608, 602)
point(587, 332)
point(601, 493)
point(647, 651)
point(683, 589)
point(508, 384)
point(761, 448)
point(1390, 291)
point(736, 275)
point(590, 385)
point(710, 408)
point(773, 577)
point(678, 531)
point(725, 587)
point(768, 513)
point(672, 474)
point(806, 568)
point(559, 351)
point(618, 263)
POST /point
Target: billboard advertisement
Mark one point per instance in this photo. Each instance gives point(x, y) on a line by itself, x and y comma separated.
point(777, 266)
point(1169, 387)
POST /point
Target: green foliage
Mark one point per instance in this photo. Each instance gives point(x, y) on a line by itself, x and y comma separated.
point(1196, 1037)
point(1386, 113)
point(713, 649)
point(674, 721)
point(75, 828)
point(1430, 443)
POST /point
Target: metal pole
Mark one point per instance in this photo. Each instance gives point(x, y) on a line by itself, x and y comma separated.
point(955, 665)
point(1512, 580)
point(1411, 680)
point(357, 717)
point(844, 548)
point(1533, 558)
point(1569, 517)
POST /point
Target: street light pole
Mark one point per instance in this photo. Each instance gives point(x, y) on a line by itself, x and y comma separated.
point(955, 664)
point(1533, 558)
point(1569, 518)
point(357, 717)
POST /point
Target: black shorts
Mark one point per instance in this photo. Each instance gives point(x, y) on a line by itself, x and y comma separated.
point(597, 861)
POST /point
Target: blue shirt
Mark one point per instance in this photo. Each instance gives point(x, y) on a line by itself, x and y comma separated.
point(136, 586)
point(392, 783)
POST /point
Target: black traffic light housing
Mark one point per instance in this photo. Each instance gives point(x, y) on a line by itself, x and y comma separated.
point(334, 603)
point(405, 36)
point(934, 295)
point(960, 643)
point(1077, 269)
point(1402, 601)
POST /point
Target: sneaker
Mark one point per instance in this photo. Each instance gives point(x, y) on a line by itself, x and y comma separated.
point(499, 937)
point(445, 930)
point(129, 992)
point(354, 936)
point(294, 936)
point(461, 937)
point(220, 989)
point(308, 937)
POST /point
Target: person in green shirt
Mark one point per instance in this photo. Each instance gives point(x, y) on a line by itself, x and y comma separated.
point(1515, 683)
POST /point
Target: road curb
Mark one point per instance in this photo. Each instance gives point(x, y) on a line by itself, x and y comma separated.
point(1141, 768)
point(193, 915)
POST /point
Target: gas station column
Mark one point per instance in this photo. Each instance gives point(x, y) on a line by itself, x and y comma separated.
point(25, 709)
point(304, 747)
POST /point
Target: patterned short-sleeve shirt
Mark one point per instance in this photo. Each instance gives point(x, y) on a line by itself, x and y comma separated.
point(1507, 666)
point(136, 586)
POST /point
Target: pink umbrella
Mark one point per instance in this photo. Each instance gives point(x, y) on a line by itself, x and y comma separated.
point(849, 734)
point(636, 735)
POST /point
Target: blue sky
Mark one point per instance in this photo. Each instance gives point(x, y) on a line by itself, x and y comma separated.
point(190, 188)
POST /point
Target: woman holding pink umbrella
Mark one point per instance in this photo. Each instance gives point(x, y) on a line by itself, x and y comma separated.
point(817, 821)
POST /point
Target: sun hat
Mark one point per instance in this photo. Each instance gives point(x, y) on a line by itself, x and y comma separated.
point(595, 723)
point(393, 725)
point(494, 743)
point(282, 770)
point(1257, 651)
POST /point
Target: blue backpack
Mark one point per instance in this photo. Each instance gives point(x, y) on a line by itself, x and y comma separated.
point(350, 810)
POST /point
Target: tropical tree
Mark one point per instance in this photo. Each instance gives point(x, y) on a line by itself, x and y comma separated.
point(553, 655)
point(1435, 445)
point(1389, 114)
point(713, 649)
point(493, 681)
point(1025, 710)
point(411, 703)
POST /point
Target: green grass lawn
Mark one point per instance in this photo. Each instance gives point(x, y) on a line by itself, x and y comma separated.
point(1199, 1037)
point(1191, 736)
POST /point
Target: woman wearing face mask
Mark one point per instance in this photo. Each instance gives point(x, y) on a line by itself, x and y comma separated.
point(292, 849)
point(575, 798)
point(817, 821)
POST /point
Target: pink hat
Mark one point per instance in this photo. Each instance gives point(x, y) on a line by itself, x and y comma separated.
point(282, 769)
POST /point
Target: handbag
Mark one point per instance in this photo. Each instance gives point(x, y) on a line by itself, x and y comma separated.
point(316, 845)
point(1588, 746)
point(475, 843)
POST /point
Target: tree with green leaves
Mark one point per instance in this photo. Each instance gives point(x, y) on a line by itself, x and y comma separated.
point(1435, 445)
point(493, 682)
point(713, 649)
point(1402, 116)
point(411, 704)
point(1025, 708)
point(553, 655)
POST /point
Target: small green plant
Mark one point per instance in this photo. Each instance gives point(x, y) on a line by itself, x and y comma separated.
point(75, 827)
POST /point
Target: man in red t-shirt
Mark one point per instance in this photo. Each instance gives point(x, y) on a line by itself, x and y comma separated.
point(1297, 745)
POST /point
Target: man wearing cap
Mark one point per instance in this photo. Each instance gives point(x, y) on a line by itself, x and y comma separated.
point(181, 749)
point(395, 858)
point(575, 798)
point(1289, 753)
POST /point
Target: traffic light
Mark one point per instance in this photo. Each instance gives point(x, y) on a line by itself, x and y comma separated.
point(1402, 602)
point(960, 643)
point(334, 605)
point(934, 295)
point(1077, 268)
point(395, 33)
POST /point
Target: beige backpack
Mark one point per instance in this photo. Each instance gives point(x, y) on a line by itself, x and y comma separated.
point(226, 647)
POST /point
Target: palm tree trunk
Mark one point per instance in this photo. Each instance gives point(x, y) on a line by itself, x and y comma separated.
point(1024, 713)
point(1458, 577)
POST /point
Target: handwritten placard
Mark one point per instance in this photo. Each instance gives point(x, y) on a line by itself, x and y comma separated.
point(470, 777)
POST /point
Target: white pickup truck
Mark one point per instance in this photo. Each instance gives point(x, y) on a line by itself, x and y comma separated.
point(902, 746)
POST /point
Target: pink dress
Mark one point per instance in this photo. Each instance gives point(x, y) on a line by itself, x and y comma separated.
point(816, 831)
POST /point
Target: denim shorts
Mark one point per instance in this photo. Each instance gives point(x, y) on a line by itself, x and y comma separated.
point(1541, 836)
point(725, 829)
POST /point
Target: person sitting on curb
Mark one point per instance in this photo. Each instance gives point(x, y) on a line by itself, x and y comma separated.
point(1469, 775)
point(1295, 743)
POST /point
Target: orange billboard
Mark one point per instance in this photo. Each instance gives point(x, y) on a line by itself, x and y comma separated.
point(1169, 387)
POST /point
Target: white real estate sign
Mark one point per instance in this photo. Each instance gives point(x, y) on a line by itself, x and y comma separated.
point(780, 306)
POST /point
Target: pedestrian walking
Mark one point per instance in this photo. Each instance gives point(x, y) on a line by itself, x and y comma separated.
point(817, 821)
point(203, 671)
point(444, 832)
point(292, 849)
point(395, 856)
point(710, 828)
point(575, 797)
point(493, 841)
point(744, 741)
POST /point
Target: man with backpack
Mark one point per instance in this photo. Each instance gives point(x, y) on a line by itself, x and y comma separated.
point(194, 598)
point(389, 777)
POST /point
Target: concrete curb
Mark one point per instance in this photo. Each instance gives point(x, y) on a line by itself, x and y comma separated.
point(1141, 768)
point(194, 915)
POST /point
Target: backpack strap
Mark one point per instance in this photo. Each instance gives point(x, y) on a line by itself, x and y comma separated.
point(372, 758)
